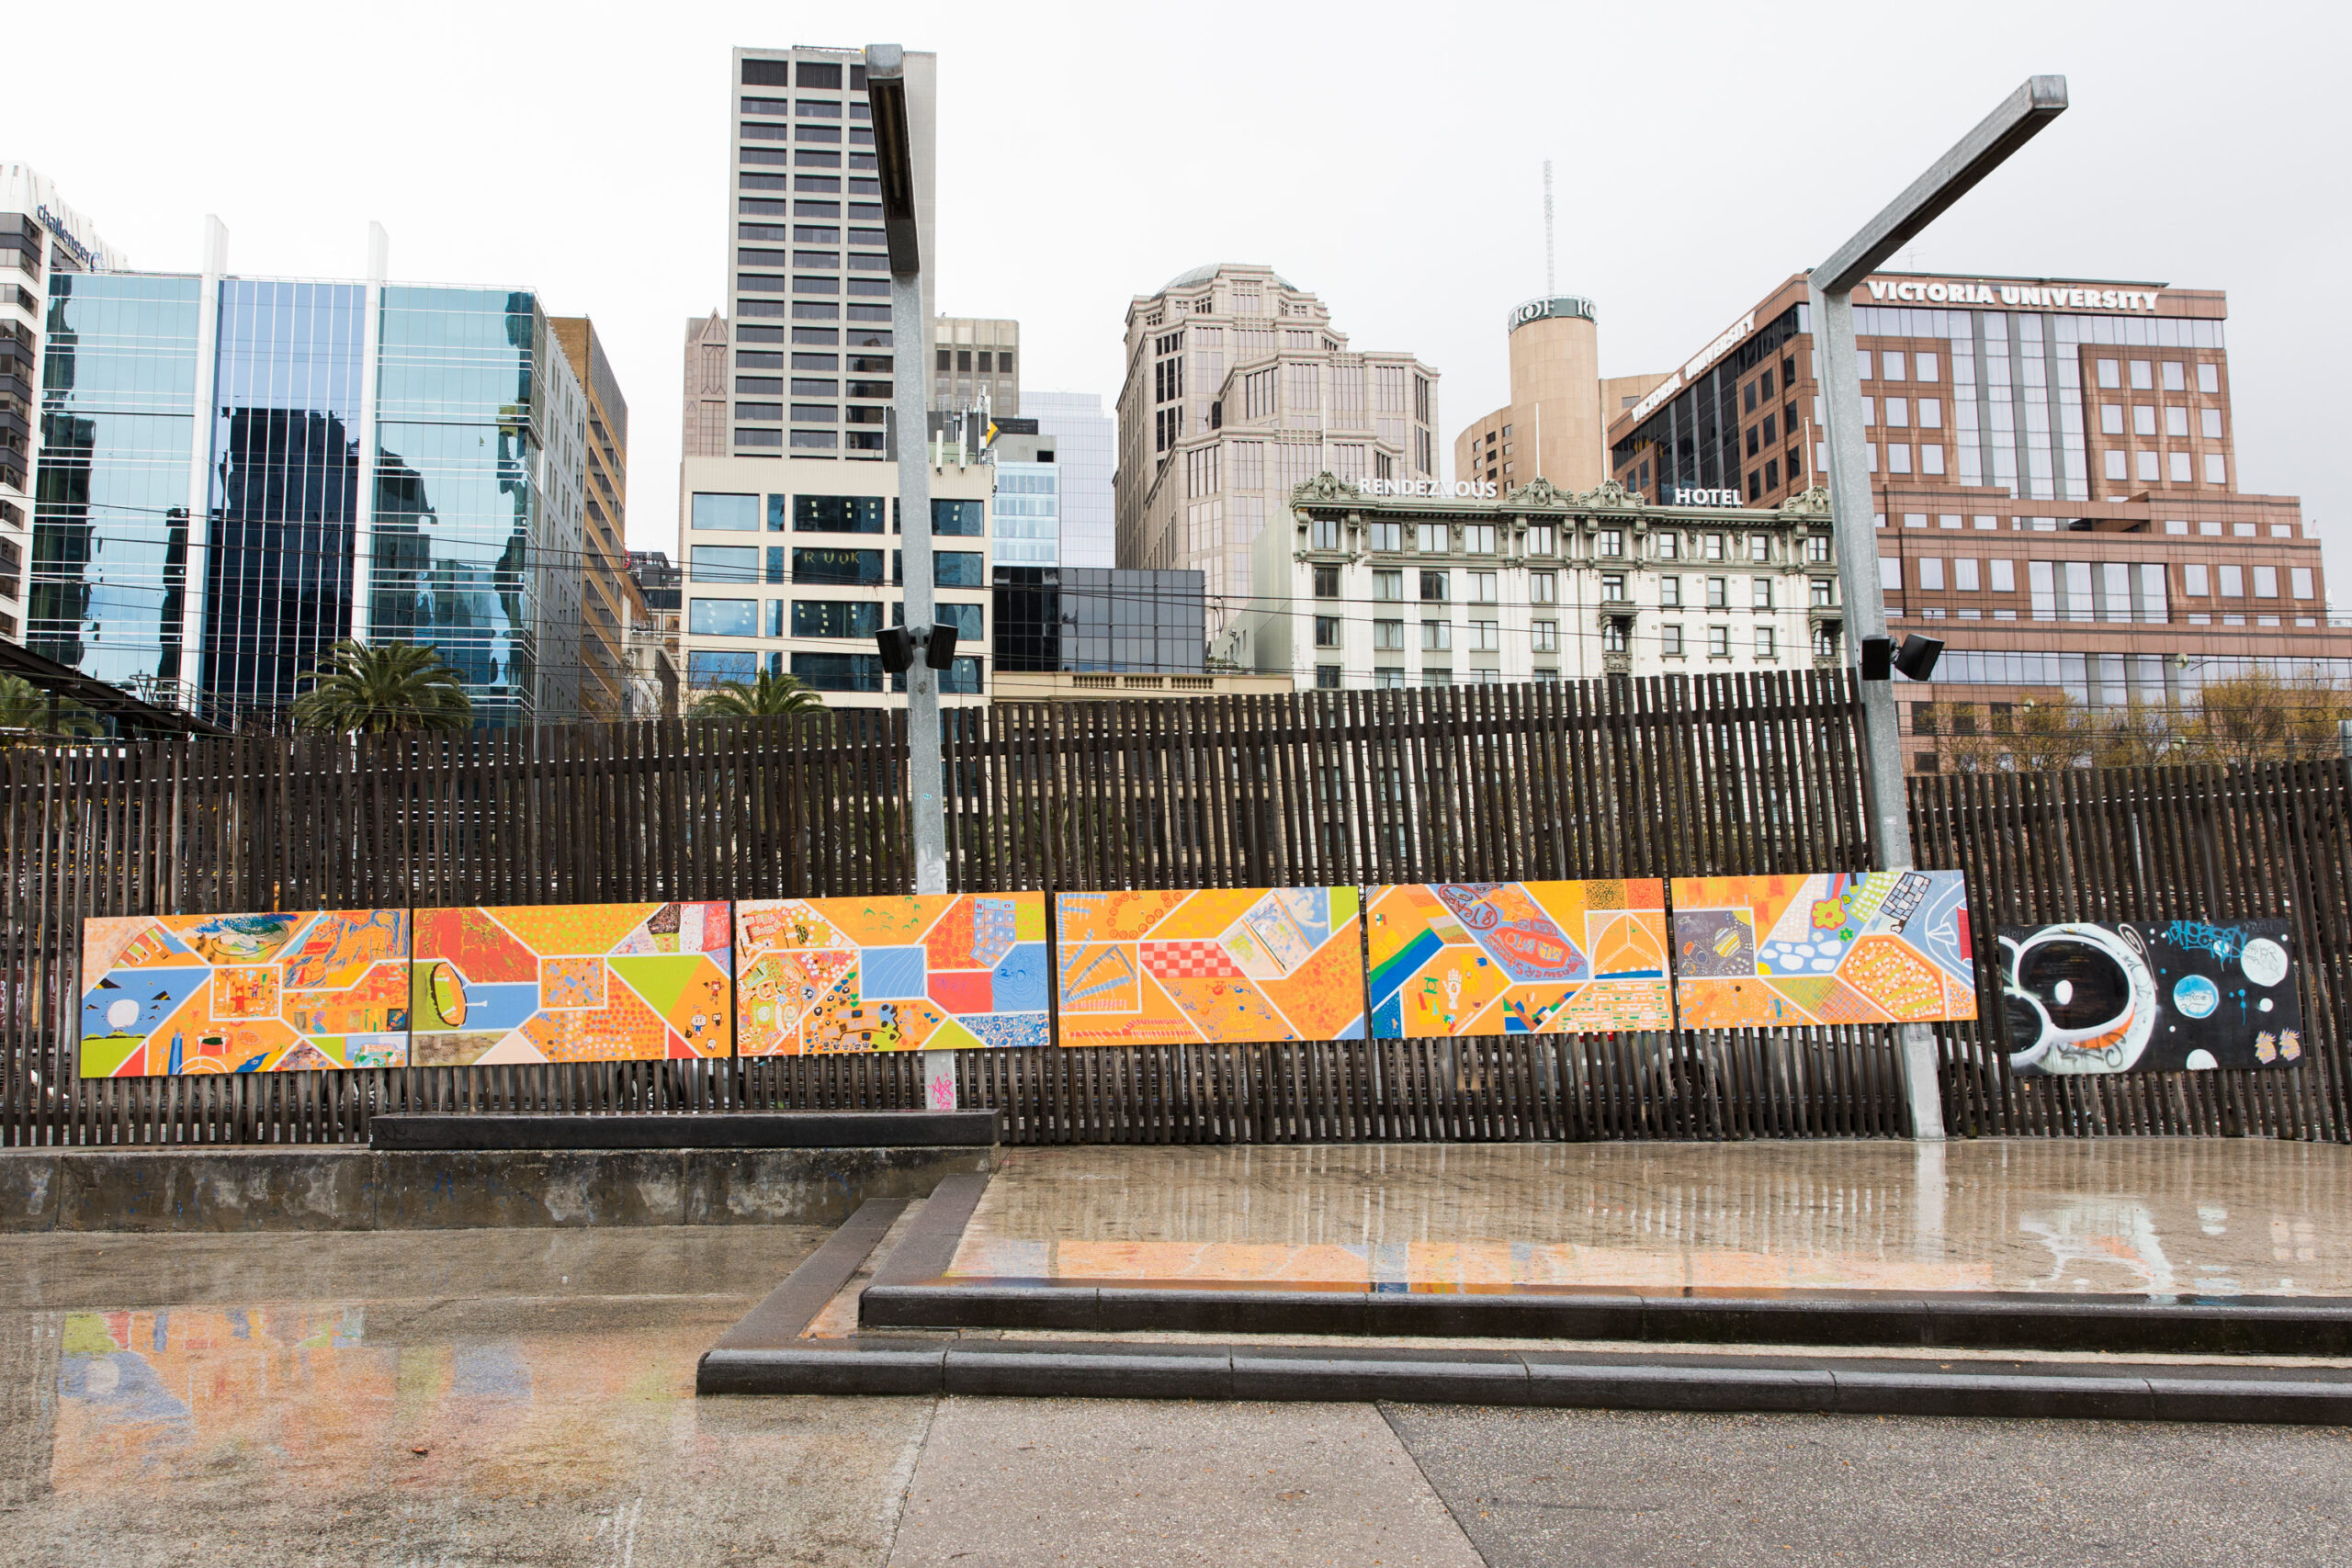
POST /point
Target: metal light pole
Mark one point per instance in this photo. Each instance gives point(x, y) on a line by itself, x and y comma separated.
point(1975, 155)
point(886, 90)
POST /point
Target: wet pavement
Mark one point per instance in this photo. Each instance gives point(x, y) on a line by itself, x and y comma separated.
point(524, 1396)
point(414, 1398)
point(2131, 1216)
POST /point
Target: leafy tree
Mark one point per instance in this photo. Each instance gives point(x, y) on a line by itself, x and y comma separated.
point(2138, 735)
point(25, 713)
point(766, 695)
point(2257, 718)
point(382, 689)
point(2036, 735)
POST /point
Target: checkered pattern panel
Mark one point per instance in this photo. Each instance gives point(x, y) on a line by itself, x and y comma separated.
point(1188, 961)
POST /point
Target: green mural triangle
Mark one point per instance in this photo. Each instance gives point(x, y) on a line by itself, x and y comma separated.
point(660, 979)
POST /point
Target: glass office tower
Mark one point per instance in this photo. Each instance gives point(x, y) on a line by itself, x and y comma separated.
point(373, 462)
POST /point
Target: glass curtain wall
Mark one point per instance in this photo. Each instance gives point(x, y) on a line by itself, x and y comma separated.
point(457, 517)
point(284, 487)
point(111, 516)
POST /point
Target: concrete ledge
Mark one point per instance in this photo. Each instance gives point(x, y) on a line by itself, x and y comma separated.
point(351, 1189)
point(2129, 1325)
point(1130, 1370)
point(718, 1130)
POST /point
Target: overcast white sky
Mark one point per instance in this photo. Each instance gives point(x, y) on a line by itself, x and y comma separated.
point(1388, 156)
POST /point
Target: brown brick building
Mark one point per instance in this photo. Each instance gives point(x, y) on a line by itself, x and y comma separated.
point(2055, 470)
point(609, 601)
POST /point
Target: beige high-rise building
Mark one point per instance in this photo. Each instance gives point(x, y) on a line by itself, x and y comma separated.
point(975, 358)
point(609, 601)
point(1239, 388)
point(1554, 425)
point(704, 423)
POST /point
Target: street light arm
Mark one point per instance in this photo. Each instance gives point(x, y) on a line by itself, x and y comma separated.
point(885, 92)
point(2041, 100)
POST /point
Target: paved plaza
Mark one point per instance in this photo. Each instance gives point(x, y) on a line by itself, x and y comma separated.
point(505, 1396)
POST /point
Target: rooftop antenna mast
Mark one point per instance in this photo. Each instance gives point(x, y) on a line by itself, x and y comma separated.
point(1549, 287)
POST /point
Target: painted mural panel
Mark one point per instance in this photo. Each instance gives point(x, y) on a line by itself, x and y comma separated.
point(1832, 947)
point(515, 984)
point(929, 973)
point(2150, 996)
point(257, 993)
point(1228, 965)
point(1518, 958)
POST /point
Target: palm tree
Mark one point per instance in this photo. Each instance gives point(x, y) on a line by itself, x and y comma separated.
point(25, 712)
point(381, 689)
point(766, 695)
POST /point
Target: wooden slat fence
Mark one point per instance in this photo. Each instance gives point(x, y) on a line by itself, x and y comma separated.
point(1654, 777)
point(2190, 843)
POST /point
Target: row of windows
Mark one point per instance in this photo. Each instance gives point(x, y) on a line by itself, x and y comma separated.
point(742, 563)
point(706, 667)
point(1542, 539)
point(820, 617)
point(710, 511)
point(2072, 580)
point(2050, 525)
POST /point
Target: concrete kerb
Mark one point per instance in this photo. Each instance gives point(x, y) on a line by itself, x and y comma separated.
point(1129, 1370)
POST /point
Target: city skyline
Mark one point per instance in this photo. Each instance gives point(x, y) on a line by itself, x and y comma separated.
point(1658, 284)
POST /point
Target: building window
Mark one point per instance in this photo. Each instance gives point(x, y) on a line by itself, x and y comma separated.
point(1388, 637)
point(1327, 631)
point(726, 513)
point(1482, 587)
point(1669, 547)
point(1387, 586)
point(1768, 643)
point(1478, 538)
point(1613, 637)
point(1543, 588)
point(1326, 582)
point(1669, 640)
point(723, 617)
point(1437, 635)
point(1817, 549)
point(1545, 635)
point(2266, 582)
point(1610, 544)
point(1825, 640)
point(835, 617)
point(1718, 592)
point(1323, 534)
point(1714, 549)
point(1542, 539)
point(1485, 636)
point(1430, 538)
point(1436, 675)
point(1389, 677)
point(1434, 588)
point(2217, 471)
point(1327, 677)
point(1719, 642)
point(1387, 535)
point(1613, 587)
point(1669, 592)
point(1759, 593)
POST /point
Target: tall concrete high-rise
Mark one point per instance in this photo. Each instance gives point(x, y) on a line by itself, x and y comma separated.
point(808, 275)
point(1084, 440)
point(1238, 389)
point(40, 236)
point(1553, 427)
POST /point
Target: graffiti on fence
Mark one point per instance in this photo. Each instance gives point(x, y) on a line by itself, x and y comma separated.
point(1228, 965)
point(492, 987)
point(1518, 958)
point(166, 993)
point(929, 973)
point(2149, 996)
point(1830, 948)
